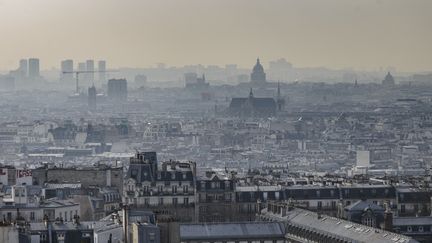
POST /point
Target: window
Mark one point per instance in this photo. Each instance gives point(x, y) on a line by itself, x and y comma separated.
point(402, 209)
point(65, 218)
point(227, 185)
point(172, 175)
point(146, 201)
point(174, 201)
point(420, 229)
point(174, 189)
point(185, 201)
point(333, 205)
point(318, 193)
point(369, 222)
point(70, 215)
point(319, 206)
point(185, 189)
point(346, 192)
point(152, 236)
point(32, 216)
point(409, 229)
point(161, 201)
point(160, 188)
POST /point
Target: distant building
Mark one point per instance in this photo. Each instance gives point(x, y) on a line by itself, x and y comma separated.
point(81, 66)
point(101, 71)
point(258, 75)
point(89, 77)
point(7, 82)
point(193, 81)
point(117, 89)
point(140, 80)
point(67, 66)
point(253, 107)
point(92, 98)
point(388, 80)
point(34, 69)
point(242, 78)
point(23, 67)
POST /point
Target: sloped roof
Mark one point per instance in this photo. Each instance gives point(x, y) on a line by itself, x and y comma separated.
point(231, 231)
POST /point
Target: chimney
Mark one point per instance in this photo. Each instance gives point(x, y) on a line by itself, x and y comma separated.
point(76, 220)
point(388, 218)
point(284, 210)
point(125, 223)
point(46, 220)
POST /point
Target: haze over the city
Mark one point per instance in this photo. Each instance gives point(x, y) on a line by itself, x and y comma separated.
point(365, 34)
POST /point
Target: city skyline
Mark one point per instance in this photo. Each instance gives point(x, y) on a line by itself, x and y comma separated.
point(334, 34)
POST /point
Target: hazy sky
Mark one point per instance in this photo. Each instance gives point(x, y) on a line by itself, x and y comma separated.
point(363, 34)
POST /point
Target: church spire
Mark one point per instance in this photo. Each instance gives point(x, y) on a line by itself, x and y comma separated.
point(250, 93)
point(278, 91)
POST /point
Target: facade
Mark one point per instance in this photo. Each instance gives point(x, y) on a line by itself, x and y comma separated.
point(25, 203)
point(90, 176)
point(215, 197)
point(169, 189)
point(419, 228)
point(253, 107)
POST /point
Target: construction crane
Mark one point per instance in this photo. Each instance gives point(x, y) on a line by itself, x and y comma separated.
point(77, 73)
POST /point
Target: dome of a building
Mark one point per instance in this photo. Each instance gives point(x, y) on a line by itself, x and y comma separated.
point(258, 67)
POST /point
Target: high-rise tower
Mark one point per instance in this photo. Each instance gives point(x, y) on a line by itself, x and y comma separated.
point(33, 68)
